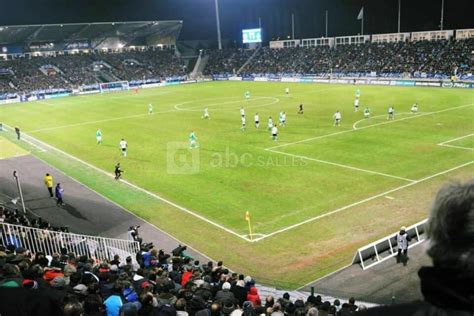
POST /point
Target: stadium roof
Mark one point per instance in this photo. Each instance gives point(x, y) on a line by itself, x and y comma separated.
point(99, 34)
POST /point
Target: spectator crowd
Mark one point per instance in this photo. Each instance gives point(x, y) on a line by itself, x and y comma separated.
point(23, 75)
point(433, 59)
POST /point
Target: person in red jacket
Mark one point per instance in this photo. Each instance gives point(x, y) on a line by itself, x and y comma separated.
point(187, 275)
point(254, 297)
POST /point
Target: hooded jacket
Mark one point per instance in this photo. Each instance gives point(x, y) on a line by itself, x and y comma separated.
point(447, 292)
point(254, 297)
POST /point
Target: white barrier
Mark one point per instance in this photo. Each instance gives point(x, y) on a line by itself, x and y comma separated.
point(388, 246)
point(50, 242)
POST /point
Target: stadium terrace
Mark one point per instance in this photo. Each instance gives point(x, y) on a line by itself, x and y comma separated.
point(144, 175)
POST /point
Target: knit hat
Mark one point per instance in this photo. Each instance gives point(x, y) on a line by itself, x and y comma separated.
point(58, 282)
point(247, 305)
point(226, 286)
point(80, 289)
point(30, 284)
point(228, 307)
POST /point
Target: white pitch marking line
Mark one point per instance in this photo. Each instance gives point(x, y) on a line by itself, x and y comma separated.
point(455, 139)
point(457, 147)
point(362, 201)
point(368, 126)
point(199, 108)
point(276, 100)
point(33, 144)
point(390, 197)
point(354, 126)
point(6, 127)
point(142, 190)
point(445, 144)
point(97, 121)
point(343, 166)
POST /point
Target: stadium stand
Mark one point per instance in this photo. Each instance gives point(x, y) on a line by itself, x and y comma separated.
point(21, 74)
point(152, 283)
point(434, 59)
point(84, 69)
point(226, 61)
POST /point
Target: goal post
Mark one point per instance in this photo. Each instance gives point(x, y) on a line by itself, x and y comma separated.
point(114, 86)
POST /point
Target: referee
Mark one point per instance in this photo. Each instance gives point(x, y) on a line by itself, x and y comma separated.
point(118, 171)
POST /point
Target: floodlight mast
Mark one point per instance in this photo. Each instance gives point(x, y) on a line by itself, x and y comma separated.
point(218, 24)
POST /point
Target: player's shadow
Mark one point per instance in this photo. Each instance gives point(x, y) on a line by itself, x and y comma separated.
point(74, 212)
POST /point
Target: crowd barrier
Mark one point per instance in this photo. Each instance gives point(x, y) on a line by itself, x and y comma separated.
point(50, 242)
point(355, 81)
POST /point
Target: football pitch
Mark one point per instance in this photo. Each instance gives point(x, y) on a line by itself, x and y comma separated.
point(314, 195)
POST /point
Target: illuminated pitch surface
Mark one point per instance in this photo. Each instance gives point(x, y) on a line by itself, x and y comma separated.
point(313, 169)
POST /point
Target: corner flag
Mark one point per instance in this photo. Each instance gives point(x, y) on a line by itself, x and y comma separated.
point(247, 218)
point(361, 14)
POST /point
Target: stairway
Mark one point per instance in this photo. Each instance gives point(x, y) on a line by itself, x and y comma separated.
point(199, 66)
point(248, 60)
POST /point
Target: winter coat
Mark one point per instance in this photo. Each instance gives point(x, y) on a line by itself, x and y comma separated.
point(224, 295)
point(254, 297)
point(240, 294)
point(186, 277)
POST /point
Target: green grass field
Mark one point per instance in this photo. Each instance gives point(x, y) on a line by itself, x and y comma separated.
point(314, 195)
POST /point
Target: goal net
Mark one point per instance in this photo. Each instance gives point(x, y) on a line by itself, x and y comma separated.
point(114, 86)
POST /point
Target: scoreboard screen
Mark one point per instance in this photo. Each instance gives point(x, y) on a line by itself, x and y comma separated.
point(252, 36)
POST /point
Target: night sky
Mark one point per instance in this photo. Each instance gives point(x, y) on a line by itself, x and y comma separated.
point(199, 16)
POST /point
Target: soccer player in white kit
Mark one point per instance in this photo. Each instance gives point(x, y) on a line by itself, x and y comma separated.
point(150, 108)
point(287, 92)
point(257, 120)
point(242, 112)
point(243, 123)
point(275, 132)
point(391, 113)
point(206, 113)
point(123, 147)
point(337, 118)
point(414, 108)
point(356, 104)
point(283, 119)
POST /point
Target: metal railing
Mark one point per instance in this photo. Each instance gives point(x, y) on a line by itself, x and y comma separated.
point(386, 248)
point(51, 242)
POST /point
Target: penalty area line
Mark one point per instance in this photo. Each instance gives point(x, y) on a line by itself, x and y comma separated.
point(342, 166)
point(363, 201)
